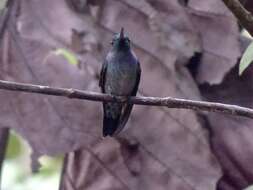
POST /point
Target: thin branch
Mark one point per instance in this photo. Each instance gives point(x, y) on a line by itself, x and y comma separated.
point(245, 17)
point(149, 101)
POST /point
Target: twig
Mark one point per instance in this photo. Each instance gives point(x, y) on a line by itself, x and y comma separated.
point(245, 17)
point(149, 101)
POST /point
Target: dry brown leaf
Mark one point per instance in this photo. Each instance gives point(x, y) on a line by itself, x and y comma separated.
point(231, 137)
point(220, 39)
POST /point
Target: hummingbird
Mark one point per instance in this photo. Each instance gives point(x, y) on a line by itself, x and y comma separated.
point(119, 76)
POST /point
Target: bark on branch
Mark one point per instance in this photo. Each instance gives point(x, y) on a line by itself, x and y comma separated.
point(245, 17)
point(149, 101)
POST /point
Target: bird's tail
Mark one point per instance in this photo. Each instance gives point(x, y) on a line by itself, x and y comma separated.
point(115, 117)
point(112, 112)
point(110, 125)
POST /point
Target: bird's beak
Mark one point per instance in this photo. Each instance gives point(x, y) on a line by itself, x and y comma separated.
point(121, 36)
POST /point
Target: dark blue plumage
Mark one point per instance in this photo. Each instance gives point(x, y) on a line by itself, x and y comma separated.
point(120, 75)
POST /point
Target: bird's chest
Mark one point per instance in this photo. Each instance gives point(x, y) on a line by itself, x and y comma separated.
point(121, 77)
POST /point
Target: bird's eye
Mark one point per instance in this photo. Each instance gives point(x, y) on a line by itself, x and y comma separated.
point(112, 42)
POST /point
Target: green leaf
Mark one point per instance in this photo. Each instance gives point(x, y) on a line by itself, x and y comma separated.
point(69, 56)
point(14, 148)
point(246, 59)
point(50, 165)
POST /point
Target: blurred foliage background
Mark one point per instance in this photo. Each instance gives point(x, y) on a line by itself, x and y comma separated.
point(2, 4)
point(17, 174)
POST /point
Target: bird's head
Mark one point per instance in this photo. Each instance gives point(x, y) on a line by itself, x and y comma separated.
point(121, 41)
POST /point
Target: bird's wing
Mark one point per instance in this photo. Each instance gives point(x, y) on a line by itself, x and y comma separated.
point(102, 76)
point(127, 108)
point(137, 80)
